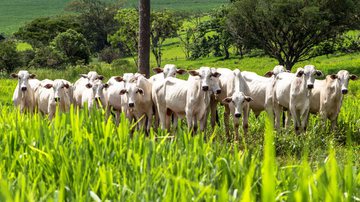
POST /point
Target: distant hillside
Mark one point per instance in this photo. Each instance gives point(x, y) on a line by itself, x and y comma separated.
point(15, 13)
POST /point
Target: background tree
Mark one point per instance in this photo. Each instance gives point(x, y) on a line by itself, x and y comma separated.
point(9, 57)
point(288, 30)
point(126, 37)
point(144, 37)
point(41, 31)
point(48, 57)
point(97, 20)
point(73, 45)
point(164, 25)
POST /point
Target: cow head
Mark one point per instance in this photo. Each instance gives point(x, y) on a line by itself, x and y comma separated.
point(169, 70)
point(207, 77)
point(23, 79)
point(277, 70)
point(237, 100)
point(344, 77)
point(309, 72)
point(132, 92)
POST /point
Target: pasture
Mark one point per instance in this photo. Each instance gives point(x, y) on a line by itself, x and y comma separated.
point(14, 14)
point(80, 157)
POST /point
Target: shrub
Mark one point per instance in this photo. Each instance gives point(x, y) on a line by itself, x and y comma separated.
point(109, 54)
point(73, 45)
point(48, 57)
point(9, 57)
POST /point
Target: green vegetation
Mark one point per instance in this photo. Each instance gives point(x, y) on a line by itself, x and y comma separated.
point(16, 13)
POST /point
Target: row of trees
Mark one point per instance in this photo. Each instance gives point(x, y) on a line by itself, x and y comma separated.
point(287, 30)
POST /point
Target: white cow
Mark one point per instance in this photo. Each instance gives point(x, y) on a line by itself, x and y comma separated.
point(260, 89)
point(52, 93)
point(138, 101)
point(23, 96)
point(169, 70)
point(326, 98)
point(94, 94)
point(292, 91)
point(190, 98)
point(81, 85)
point(115, 85)
point(231, 82)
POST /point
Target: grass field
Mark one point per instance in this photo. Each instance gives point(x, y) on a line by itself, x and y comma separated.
point(80, 157)
point(16, 13)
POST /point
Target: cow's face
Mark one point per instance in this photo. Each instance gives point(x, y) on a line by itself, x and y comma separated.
point(132, 92)
point(58, 87)
point(169, 70)
point(98, 89)
point(92, 76)
point(23, 79)
point(277, 70)
point(206, 76)
point(215, 82)
point(344, 76)
point(237, 100)
point(310, 73)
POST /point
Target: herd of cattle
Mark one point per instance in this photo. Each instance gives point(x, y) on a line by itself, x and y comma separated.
point(163, 98)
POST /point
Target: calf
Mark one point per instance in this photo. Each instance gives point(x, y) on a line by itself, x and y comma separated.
point(292, 92)
point(23, 96)
point(260, 89)
point(169, 70)
point(94, 94)
point(190, 98)
point(115, 85)
point(138, 101)
point(82, 84)
point(53, 93)
point(327, 96)
point(231, 82)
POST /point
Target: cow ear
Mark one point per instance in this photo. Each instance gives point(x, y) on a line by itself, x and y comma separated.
point(32, 76)
point(123, 91)
point(83, 76)
point(193, 73)
point(141, 91)
point(106, 85)
point(300, 73)
point(100, 77)
point(119, 79)
point(181, 71)
point(66, 85)
point(216, 74)
point(333, 76)
point(319, 73)
point(13, 75)
point(157, 70)
point(269, 74)
point(248, 99)
point(353, 77)
point(227, 100)
point(48, 86)
point(88, 85)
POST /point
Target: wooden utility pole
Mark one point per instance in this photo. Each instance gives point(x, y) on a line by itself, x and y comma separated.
point(144, 37)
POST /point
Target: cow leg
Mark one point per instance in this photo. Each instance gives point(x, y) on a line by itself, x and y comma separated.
point(213, 112)
point(277, 113)
point(304, 119)
point(287, 118)
point(226, 121)
point(117, 117)
point(236, 128)
point(246, 112)
point(334, 123)
point(149, 120)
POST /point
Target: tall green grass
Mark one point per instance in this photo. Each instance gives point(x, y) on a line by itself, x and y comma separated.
point(80, 157)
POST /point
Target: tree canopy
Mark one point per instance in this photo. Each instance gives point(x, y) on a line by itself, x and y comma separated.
point(288, 30)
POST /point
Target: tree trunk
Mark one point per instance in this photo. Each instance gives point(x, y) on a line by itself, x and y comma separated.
point(144, 37)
